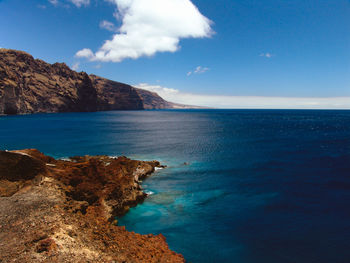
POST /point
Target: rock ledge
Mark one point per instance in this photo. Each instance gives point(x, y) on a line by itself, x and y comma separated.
point(63, 211)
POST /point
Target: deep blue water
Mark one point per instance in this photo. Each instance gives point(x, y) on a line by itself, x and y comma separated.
point(260, 185)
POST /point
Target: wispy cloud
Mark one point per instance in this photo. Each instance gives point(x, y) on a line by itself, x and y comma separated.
point(151, 26)
point(248, 102)
point(108, 25)
point(53, 2)
point(80, 3)
point(76, 66)
point(162, 91)
point(77, 3)
point(266, 55)
point(198, 70)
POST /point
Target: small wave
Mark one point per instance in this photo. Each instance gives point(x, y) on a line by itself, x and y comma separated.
point(158, 168)
point(149, 192)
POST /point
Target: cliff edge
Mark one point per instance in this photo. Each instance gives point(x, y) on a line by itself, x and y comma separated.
point(63, 211)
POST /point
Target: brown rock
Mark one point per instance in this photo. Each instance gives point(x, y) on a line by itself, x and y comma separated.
point(67, 213)
point(29, 85)
point(16, 167)
point(46, 245)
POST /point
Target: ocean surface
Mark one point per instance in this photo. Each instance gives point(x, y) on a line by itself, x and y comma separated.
point(242, 186)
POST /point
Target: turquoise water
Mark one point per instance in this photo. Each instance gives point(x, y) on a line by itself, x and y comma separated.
point(241, 186)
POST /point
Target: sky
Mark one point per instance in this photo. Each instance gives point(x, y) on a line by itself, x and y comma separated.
point(223, 53)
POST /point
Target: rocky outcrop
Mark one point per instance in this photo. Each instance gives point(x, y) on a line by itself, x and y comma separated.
point(64, 211)
point(29, 85)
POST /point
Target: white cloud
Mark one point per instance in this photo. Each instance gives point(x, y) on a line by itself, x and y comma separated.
point(79, 3)
point(248, 102)
point(54, 2)
point(151, 26)
point(85, 53)
point(76, 66)
point(266, 55)
point(107, 25)
point(198, 70)
point(158, 89)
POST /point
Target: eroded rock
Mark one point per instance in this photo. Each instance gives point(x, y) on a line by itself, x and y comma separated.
point(64, 212)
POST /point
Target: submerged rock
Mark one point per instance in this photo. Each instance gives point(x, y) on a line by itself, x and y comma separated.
point(63, 211)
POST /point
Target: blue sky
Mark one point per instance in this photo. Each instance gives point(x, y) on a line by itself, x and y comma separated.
point(225, 53)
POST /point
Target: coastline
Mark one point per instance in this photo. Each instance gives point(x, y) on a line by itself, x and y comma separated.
point(64, 211)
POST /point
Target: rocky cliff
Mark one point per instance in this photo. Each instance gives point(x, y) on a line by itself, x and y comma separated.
point(29, 85)
point(63, 211)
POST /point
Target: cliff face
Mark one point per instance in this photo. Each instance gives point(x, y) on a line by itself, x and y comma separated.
point(63, 211)
point(29, 85)
point(114, 95)
point(152, 100)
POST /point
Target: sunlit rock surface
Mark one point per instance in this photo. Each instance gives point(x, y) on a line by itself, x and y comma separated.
point(63, 211)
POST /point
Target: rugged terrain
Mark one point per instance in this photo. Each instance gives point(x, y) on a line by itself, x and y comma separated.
point(63, 211)
point(29, 85)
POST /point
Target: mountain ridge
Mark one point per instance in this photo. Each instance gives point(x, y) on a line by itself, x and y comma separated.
point(29, 85)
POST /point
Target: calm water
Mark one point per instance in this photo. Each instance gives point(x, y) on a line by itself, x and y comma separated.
point(260, 186)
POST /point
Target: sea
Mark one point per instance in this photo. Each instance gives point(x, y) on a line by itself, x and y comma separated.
point(241, 186)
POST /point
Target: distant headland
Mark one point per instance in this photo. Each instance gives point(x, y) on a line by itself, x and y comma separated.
point(29, 85)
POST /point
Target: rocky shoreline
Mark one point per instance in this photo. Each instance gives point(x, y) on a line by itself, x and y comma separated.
point(64, 211)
